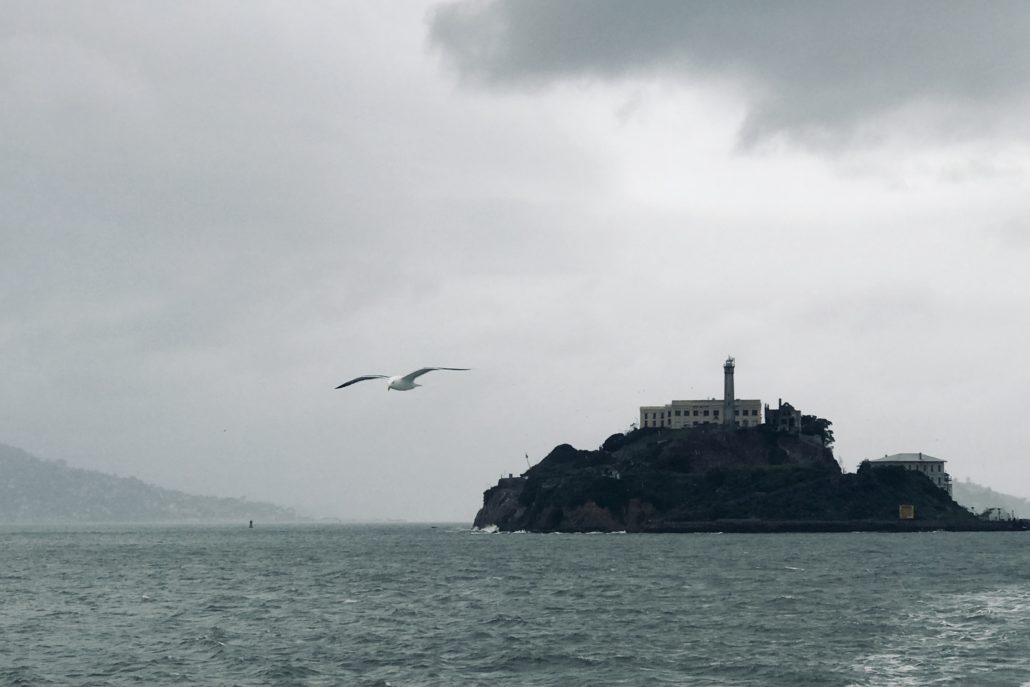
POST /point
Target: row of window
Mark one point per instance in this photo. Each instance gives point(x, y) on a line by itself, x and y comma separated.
point(668, 423)
point(924, 467)
point(704, 413)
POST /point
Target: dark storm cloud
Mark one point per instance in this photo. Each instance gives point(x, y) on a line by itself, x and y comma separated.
point(812, 69)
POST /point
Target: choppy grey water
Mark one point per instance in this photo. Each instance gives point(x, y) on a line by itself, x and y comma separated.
point(418, 605)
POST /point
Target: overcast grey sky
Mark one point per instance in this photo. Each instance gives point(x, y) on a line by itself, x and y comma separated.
point(212, 214)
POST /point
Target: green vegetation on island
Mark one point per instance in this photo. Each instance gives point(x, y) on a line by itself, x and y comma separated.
point(715, 478)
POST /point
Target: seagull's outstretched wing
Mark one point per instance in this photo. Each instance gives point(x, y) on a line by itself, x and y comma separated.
point(361, 379)
point(410, 377)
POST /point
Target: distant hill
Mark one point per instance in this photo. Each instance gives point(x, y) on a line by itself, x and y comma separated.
point(979, 498)
point(35, 490)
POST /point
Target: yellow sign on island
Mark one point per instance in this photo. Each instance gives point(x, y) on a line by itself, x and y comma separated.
point(906, 511)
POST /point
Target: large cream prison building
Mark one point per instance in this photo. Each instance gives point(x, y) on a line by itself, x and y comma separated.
point(728, 411)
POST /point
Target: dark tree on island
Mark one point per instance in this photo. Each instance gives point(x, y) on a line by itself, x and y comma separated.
point(817, 426)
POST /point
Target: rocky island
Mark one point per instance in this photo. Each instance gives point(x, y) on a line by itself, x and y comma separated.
point(713, 478)
point(707, 465)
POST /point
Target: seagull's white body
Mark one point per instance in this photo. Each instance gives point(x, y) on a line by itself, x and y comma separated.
point(400, 382)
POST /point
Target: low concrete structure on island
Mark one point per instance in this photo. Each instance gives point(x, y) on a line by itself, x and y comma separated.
point(926, 464)
point(678, 414)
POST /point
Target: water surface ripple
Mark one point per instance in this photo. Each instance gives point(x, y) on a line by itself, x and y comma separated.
point(420, 605)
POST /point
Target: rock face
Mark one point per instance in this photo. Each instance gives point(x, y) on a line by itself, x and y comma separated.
point(753, 479)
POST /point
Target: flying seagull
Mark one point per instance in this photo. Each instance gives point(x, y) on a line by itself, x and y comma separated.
point(400, 382)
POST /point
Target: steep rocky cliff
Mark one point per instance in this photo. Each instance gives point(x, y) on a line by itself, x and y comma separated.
point(752, 479)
